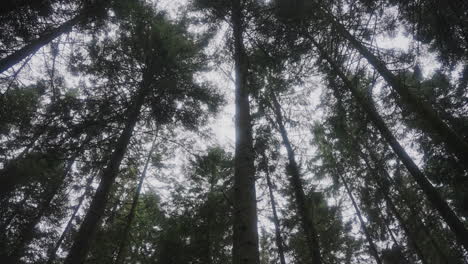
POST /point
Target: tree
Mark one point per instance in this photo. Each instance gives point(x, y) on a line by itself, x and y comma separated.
point(84, 16)
point(161, 54)
point(245, 247)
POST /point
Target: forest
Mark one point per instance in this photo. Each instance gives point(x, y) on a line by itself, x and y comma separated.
point(233, 131)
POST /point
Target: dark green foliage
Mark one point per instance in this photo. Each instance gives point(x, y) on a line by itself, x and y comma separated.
point(18, 108)
point(356, 139)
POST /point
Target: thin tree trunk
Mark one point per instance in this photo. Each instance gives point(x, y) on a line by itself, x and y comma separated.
point(412, 209)
point(305, 209)
point(405, 228)
point(373, 248)
point(209, 253)
point(245, 234)
point(53, 253)
point(407, 259)
point(278, 238)
point(429, 190)
point(363, 156)
point(390, 232)
point(439, 129)
point(38, 43)
point(121, 253)
point(28, 231)
point(89, 226)
point(393, 209)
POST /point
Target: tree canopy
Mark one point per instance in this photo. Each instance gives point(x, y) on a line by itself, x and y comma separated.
point(233, 131)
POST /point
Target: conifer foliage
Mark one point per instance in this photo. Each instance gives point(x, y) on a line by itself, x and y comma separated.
point(346, 137)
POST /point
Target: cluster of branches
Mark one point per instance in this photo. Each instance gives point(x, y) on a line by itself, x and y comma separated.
point(78, 143)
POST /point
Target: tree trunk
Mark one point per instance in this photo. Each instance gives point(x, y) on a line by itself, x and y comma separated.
point(305, 209)
point(354, 139)
point(392, 236)
point(393, 209)
point(412, 209)
point(53, 253)
point(373, 248)
point(278, 238)
point(430, 191)
point(89, 226)
point(121, 253)
point(27, 233)
point(439, 129)
point(405, 228)
point(245, 233)
point(38, 43)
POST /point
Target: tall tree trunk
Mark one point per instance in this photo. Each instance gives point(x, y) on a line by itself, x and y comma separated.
point(355, 141)
point(278, 238)
point(409, 234)
point(53, 253)
point(406, 229)
point(245, 234)
point(89, 226)
point(373, 247)
point(439, 129)
point(412, 209)
point(40, 42)
point(305, 209)
point(452, 220)
point(121, 253)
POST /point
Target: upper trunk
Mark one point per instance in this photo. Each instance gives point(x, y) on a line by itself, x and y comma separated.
point(373, 248)
point(278, 238)
point(88, 228)
point(388, 200)
point(38, 43)
point(429, 190)
point(123, 240)
point(305, 209)
point(245, 234)
point(439, 130)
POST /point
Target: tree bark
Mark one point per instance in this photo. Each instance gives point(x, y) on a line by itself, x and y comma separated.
point(278, 238)
point(121, 253)
point(439, 129)
point(305, 209)
point(38, 43)
point(89, 226)
point(245, 233)
point(452, 220)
